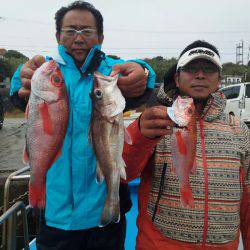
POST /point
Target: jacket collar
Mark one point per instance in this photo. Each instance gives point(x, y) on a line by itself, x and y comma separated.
point(62, 57)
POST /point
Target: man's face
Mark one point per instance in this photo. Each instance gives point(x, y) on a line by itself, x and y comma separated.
point(78, 45)
point(198, 79)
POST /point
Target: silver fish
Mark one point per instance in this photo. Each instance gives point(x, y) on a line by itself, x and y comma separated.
point(107, 135)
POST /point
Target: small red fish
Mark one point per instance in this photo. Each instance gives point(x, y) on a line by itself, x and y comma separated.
point(47, 121)
point(183, 144)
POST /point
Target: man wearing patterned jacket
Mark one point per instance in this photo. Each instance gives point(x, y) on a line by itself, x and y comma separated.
point(221, 183)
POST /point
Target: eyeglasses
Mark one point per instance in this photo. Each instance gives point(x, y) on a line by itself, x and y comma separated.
point(205, 68)
point(84, 32)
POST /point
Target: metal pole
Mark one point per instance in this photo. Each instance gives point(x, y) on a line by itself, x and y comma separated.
point(11, 215)
point(6, 198)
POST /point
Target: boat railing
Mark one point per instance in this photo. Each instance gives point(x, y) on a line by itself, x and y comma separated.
point(9, 228)
point(11, 216)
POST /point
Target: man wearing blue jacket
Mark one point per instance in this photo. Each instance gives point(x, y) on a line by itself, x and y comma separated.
point(74, 201)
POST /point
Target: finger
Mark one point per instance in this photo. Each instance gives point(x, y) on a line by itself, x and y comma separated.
point(155, 113)
point(132, 89)
point(126, 83)
point(26, 83)
point(134, 93)
point(116, 69)
point(157, 123)
point(36, 62)
point(26, 72)
point(132, 78)
point(24, 93)
point(153, 133)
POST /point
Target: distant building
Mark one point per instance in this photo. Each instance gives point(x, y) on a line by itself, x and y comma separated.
point(230, 79)
point(2, 52)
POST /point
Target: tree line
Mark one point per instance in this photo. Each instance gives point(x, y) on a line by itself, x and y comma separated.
point(12, 58)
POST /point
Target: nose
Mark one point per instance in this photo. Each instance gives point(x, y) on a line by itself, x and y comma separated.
point(200, 74)
point(79, 38)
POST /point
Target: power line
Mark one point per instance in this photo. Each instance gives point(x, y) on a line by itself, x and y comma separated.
point(139, 30)
point(113, 48)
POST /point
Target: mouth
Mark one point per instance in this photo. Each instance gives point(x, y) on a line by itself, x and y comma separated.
point(199, 86)
point(79, 50)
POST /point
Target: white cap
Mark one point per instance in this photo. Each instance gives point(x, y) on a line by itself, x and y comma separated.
point(196, 53)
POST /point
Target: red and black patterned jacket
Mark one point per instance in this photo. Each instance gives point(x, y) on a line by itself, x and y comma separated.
point(220, 186)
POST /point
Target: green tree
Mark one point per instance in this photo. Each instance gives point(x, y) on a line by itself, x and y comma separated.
point(5, 69)
point(160, 66)
point(15, 54)
point(12, 59)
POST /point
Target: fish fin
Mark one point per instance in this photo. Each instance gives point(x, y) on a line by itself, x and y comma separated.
point(127, 137)
point(110, 213)
point(37, 195)
point(58, 154)
point(187, 199)
point(46, 119)
point(99, 174)
point(122, 170)
point(25, 156)
point(115, 128)
point(180, 142)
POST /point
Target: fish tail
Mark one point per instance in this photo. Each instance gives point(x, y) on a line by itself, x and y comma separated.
point(37, 195)
point(99, 174)
point(25, 156)
point(122, 170)
point(110, 213)
point(187, 199)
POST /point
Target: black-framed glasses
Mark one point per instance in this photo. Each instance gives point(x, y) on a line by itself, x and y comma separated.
point(88, 32)
point(196, 67)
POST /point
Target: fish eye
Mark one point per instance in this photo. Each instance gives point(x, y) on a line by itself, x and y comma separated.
point(190, 111)
point(56, 80)
point(98, 93)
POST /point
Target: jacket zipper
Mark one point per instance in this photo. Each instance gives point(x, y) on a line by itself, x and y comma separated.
point(204, 163)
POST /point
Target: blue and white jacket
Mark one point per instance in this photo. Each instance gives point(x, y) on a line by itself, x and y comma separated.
point(74, 200)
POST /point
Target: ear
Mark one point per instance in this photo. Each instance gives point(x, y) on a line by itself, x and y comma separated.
point(176, 79)
point(58, 37)
point(100, 38)
point(219, 81)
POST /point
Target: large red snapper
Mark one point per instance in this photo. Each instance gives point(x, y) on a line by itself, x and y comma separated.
point(107, 135)
point(183, 144)
point(47, 120)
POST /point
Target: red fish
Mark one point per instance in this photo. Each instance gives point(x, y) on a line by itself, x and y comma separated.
point(183, 144)
point(47, 121)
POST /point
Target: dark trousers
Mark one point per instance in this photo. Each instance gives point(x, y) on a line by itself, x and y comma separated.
point(111, 237)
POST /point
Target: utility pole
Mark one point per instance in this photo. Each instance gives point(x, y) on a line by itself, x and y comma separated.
point(248, 63)
point(248, 56)
point(239, 53)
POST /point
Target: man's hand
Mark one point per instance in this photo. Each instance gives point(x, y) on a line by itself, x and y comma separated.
point(155, 122)
point(26, 74)
point(133, 81)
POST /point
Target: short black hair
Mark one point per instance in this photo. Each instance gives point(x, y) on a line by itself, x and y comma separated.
point(200, 43)
point(79, 5)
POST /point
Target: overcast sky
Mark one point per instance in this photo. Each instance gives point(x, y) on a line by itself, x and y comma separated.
point(133, 28)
